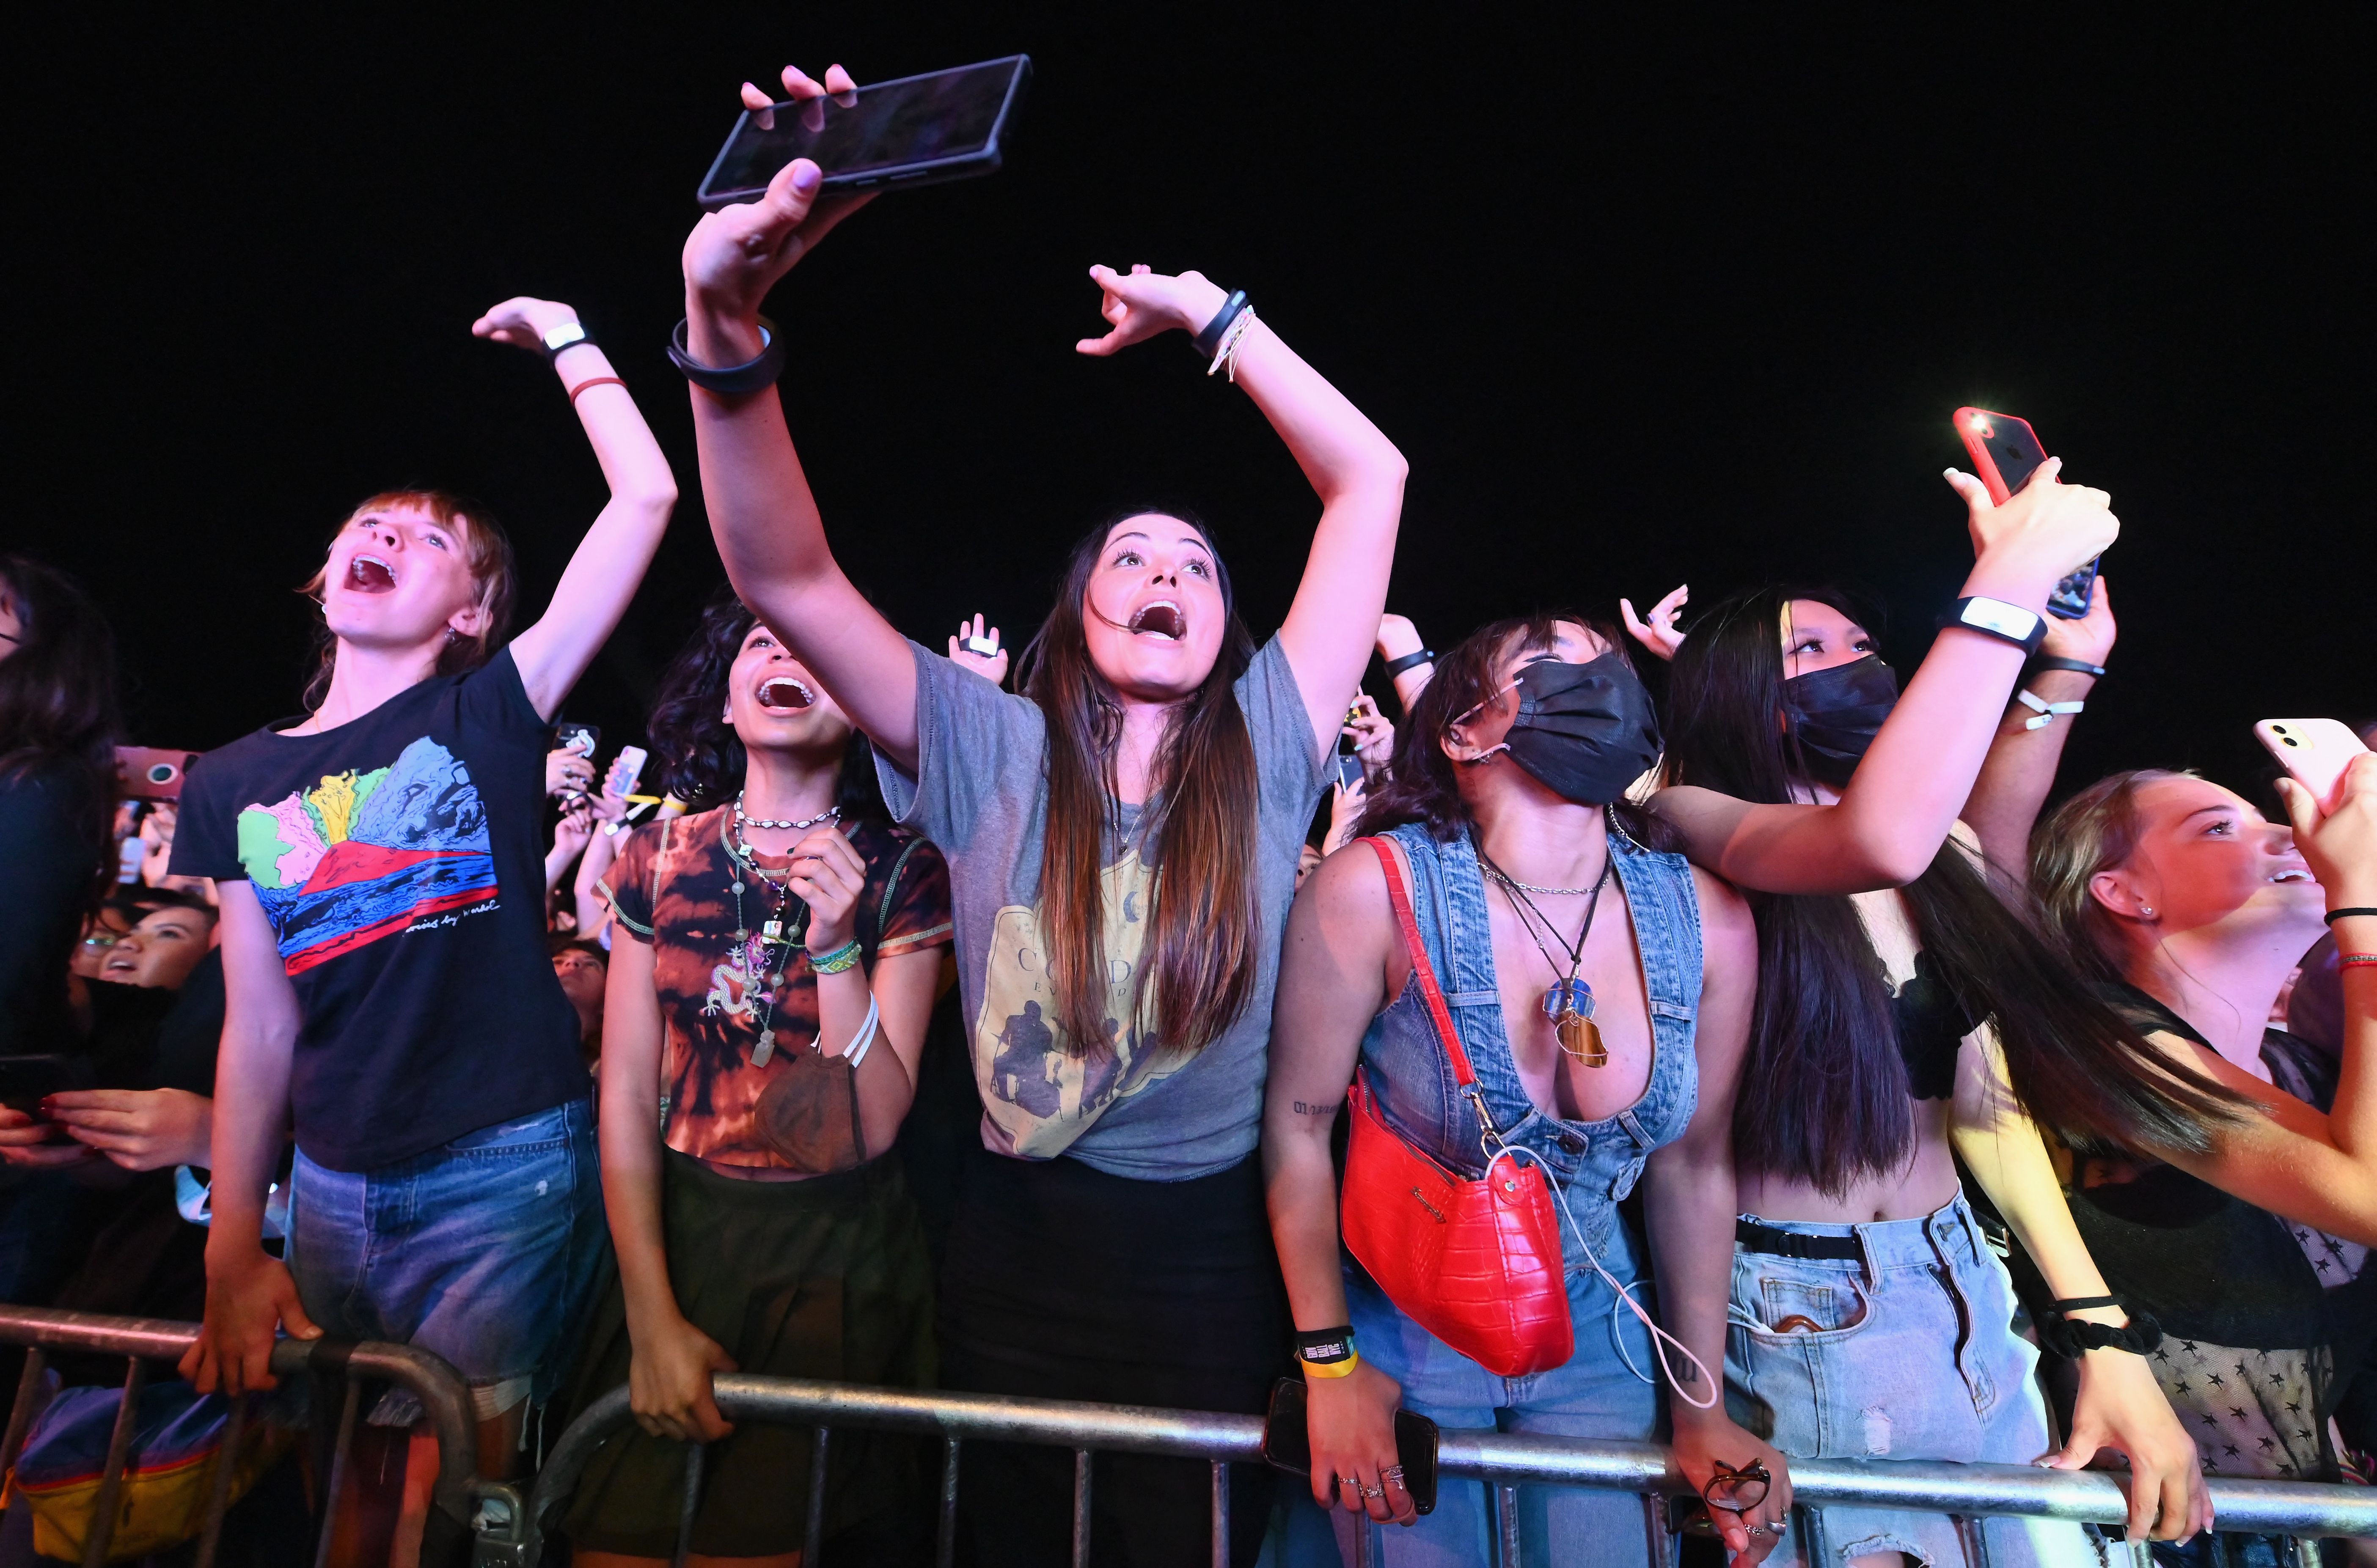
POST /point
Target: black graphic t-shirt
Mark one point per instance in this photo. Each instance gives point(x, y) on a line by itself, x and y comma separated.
point(400, 859)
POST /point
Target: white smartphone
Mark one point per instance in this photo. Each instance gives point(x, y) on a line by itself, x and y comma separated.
point(627, 768)
point(2314, 751)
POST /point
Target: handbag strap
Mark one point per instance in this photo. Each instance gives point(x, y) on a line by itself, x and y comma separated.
point(1449, 1037)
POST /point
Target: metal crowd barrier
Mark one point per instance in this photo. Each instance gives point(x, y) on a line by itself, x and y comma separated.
point(460, 1501)
point(1504, 1460)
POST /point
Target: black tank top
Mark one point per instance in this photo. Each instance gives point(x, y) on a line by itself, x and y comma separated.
point(1931, 1025)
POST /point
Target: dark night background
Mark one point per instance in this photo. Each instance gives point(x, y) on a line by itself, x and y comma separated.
point(1640, 307)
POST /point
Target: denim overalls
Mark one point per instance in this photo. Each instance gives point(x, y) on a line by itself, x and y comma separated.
point(1596, 1163)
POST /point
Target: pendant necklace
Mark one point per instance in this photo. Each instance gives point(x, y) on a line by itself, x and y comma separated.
point(830, 814)
point(759, 996)
point(1568, 1002)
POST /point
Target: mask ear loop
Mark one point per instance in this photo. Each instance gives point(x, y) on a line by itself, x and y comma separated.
point(1660, 1337)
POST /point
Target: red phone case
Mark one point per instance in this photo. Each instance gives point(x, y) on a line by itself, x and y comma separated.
point(1974, 425)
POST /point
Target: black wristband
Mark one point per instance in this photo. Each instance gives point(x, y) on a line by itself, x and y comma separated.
point(1410, 661)
point(734, 380)
point(1324, 1346)
point(2077, 666)
point(1209, 341)
point(2334, 914)
point(2072, 1339)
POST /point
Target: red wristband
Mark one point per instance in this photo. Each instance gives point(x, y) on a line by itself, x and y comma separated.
point(2350, 960)
point(594, 381)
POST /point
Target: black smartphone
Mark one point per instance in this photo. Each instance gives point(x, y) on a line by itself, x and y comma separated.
point(915, 131)
point(2007, 452)
point(1349, 771)
point(26, 1081)
point(1287, 1446)
point(571, 736)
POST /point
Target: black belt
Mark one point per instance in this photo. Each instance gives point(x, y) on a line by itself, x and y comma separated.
point(1750, 1236)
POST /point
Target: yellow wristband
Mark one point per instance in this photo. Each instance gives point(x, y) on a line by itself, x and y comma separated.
point(1333, 1368)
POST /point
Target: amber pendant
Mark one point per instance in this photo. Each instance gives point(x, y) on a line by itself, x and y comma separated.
point(1581, 1037)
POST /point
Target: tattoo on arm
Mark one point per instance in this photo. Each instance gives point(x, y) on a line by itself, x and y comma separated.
point(1307, 1108)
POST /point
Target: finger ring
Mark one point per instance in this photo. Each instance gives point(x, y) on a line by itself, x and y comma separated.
point(1354, 1481)
point(1392, 1475)
point(1374, 1491)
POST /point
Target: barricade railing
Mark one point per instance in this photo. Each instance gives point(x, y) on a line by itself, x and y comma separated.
point(460, 1501)
point(1505, 1461)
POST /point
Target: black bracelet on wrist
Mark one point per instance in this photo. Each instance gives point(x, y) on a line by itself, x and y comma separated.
point(2071, 1337)
point(1325, 1346)
point(734, 380)
point(1209, 341)
point(2334, 914)
point(1410, 661)
point(2077, 666)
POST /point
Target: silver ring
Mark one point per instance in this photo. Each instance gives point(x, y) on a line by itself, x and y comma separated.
point(1392, 1475)
point(1374, 1491)
point(1354, 1481)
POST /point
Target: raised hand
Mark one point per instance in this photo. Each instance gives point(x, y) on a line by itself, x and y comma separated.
point(1142, 303)
point(735, 254)
point(2088, 639)
point(2044, 531)
point(567, 773)
point(522, 322)
point(827, 876)
point(990, 666)
point(1373, 737)
point(1657, 632)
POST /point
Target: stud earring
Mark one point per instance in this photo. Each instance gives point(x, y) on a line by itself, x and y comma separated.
point(2147, 910)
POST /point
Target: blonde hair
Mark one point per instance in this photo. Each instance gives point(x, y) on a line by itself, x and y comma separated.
point(486, 551)
point(2096, 830)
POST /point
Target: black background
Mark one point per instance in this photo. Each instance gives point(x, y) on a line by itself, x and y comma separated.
point(1639, 307)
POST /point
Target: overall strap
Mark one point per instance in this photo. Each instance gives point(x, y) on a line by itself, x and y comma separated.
point(1448, 1036)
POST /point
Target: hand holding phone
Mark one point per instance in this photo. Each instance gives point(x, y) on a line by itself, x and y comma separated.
point(2314, 751)
point(1287, 1442)
point(2005, 453)
point(912, 131)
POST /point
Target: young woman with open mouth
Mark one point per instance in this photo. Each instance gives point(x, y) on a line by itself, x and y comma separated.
point(777, 952)
point(380, 859)
point(1122, 843)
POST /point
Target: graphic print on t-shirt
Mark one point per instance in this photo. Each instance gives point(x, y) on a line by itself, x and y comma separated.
point(1036, 1094)
point(364, 855)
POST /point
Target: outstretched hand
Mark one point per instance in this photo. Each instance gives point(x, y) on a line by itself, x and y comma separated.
point(1657, 632)
point(2044, 530)
point(1142, 303)
point(2089, 638)
point(990, 666)
point(522, 322)
point(735, 254)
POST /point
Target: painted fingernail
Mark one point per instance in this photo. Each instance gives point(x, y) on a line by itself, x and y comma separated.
point(806, 178)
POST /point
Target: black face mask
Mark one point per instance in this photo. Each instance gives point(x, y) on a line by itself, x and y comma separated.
point(1586, 731)
point(1835, 715)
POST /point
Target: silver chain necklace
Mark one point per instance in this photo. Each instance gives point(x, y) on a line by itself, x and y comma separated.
point(1490, 869)
point(830, 814)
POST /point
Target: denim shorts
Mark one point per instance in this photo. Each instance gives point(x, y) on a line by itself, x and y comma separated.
point(482, 1252)
point(1906, 1353)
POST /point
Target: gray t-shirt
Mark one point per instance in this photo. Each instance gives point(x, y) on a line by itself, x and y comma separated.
point(982, 796)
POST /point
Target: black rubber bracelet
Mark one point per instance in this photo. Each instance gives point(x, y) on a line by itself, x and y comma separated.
point(734, 380)
point(1323, 1346)
point(2077, 666)
point(2334, 914)
point(1209, 341)
point(2083, 1303)
point(1410, 661)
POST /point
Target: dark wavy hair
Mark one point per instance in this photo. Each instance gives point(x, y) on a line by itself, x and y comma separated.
point(487, 550)
point(700, 758)
point(58, 713)
point(1198, 962)
point(1824, 1092)
point(1423, 784)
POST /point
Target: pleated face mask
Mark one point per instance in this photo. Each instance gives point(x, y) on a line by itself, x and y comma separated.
point(1835, 715)
point(1585, 732)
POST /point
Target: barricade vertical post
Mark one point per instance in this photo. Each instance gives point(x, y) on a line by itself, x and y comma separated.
point(687, 1503)
point(20, 1414)
point(1654, 1528)
point(339, 1452)
point(813, 1531)
point(1506, 1525)
point(219, 1495)
point(1221, 1513)
point(111, 1481)
point(945, 1544)
point(1081, 1508)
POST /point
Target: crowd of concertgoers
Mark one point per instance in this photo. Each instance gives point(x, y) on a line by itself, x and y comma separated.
point(901, 1023)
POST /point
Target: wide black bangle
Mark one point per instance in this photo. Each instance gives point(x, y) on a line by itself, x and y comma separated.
point(2071, 1337)
point(1325, 1346)
point(1410, 661)
point(1209, 341)
point(734, 380)
point(2077, 666)
point(2334, 914)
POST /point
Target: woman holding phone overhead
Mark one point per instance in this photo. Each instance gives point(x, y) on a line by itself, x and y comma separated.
point(1122, 844)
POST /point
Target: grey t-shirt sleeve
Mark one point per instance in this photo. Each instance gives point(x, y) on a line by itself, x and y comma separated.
point(974, 743)
point(1290, 765)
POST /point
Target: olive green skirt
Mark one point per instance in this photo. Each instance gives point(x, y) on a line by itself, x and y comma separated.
point(821, 1278)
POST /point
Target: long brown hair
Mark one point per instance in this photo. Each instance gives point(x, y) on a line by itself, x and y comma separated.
point(1824, 1092)
point(486, 549)
point(1197, 965)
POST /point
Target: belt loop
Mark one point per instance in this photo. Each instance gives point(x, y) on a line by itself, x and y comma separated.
point(1865, 1251)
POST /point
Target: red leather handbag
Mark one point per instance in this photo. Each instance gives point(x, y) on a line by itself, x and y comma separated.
point(1475, 1263)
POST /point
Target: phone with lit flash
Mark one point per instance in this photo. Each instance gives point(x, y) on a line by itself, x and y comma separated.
point(2005, 453)
point(2314, 751)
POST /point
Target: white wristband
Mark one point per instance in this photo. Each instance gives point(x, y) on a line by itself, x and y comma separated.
point(864, 1040)
point(2045, 710)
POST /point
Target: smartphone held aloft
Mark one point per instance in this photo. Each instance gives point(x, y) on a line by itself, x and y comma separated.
point(915, 131)
point(2005, 453)
point(2314, 751)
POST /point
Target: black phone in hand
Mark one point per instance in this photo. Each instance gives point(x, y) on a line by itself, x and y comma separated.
point(26, 1081)
point(1287, 1442)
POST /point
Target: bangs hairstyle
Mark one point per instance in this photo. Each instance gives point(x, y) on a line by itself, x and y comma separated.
point(1423, 784)
point(57, 696)
point(486, 549)
point(701, 758)
point(1197, 964)
point(1824, 1092)
point(2096, 830)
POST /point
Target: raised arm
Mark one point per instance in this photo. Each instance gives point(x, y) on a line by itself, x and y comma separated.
point(2020, 769)
point(610, 560)
point(1355, 470)
point(1897, 810)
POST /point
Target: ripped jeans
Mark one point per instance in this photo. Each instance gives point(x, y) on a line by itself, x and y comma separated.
point(1906, 1352)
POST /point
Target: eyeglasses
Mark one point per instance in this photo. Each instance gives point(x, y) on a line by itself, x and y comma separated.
point(1738, 1492)
point(104, 939)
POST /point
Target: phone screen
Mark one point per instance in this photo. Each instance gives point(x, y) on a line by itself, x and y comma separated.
point(865, 137)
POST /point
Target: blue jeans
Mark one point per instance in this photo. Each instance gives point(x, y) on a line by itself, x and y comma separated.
point(1593, 1396)
point(1906, 1353)
point(482, 1252)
